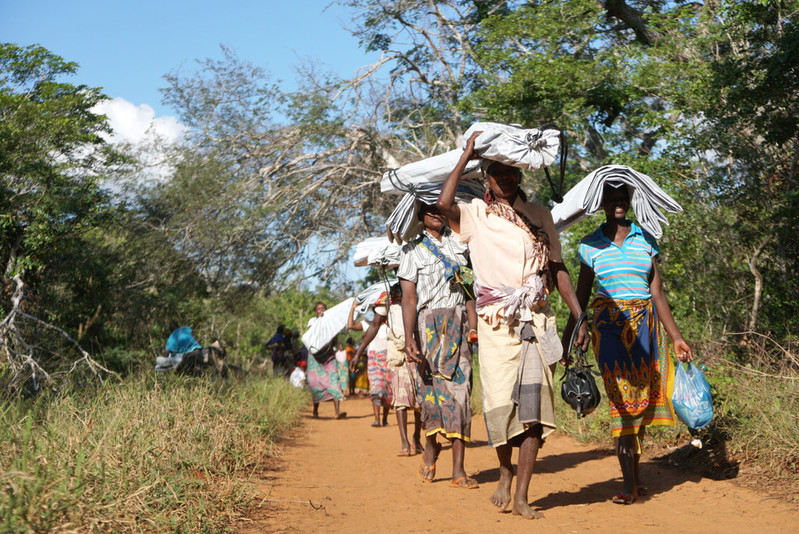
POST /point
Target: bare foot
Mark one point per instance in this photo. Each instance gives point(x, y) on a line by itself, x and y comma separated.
point(501, 497)
point(523, 509)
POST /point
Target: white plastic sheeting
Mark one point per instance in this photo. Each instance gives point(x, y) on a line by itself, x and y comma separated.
point(368, 296)
point(647, 198)
point(377, 252)
point(326, 327)
point(403, 225)
point(423, 173)
point(513, 145)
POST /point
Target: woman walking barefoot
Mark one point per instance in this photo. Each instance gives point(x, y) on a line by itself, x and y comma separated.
point(375, 342)
point(405, 397)
point(516, 255)
point(629, 344)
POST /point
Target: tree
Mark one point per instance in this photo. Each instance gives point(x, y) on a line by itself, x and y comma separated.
point(52, 158)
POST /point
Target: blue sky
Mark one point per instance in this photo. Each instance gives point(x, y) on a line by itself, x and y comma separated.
point(126, 47)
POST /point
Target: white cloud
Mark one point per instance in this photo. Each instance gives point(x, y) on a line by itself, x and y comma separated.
point(151, 139)
point(136, 124)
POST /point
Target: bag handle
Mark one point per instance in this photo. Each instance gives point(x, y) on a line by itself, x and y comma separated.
point(580, 360)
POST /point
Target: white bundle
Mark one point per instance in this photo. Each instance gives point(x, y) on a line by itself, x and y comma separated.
point(403, 225)
point(647, 198)
point(368, 296)
point(513, 145)
point(377, 252)
point(326, 327)
point(433, 170)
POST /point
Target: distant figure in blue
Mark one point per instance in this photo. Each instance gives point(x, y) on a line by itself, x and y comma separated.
point(179, 344)
point(278, 344)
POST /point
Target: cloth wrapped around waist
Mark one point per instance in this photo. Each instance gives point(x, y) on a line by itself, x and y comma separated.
point(444, 330)
point(526, 311)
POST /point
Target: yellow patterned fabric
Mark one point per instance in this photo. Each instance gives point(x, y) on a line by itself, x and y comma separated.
point(634, 358)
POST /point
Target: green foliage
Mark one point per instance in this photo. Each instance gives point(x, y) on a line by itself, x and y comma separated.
point(51, 157)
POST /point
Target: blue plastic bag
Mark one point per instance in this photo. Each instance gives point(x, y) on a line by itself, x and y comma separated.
point(691, 397)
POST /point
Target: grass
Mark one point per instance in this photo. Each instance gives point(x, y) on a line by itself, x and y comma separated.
point(152, 454)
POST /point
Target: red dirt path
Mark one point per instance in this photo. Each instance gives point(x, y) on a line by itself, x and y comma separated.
point(349, 471)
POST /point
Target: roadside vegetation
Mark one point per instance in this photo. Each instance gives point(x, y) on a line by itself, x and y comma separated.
point(154, 453)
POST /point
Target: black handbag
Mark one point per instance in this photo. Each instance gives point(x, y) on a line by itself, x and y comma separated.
point(578, 387)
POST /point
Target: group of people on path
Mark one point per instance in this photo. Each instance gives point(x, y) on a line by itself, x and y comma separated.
point(428, 322)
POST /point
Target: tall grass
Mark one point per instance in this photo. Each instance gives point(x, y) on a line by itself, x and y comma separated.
point(152, 454)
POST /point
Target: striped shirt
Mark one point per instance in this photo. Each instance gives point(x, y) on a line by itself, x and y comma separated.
point(621, 273)
point(427, 271)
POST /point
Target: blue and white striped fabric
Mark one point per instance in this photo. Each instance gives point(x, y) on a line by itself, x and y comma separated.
point(621, 273)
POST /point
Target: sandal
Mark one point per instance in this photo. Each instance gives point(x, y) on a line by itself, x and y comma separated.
point(428, 472)
point(623, 498)
point(376, 424)
point(416, 449)
point(464, 483)
point(405, 452)
point(641, 491)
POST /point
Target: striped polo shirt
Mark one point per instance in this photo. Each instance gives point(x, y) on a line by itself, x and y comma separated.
point(621, 273)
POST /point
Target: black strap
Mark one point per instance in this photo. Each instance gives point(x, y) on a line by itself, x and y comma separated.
point(580, 360)
point(557, 194)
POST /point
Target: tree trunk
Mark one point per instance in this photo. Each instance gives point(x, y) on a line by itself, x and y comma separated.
point(758, 281)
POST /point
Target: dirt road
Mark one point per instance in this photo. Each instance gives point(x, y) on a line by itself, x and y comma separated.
point(349, 471)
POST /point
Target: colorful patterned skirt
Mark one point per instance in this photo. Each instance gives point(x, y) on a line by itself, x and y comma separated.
point(444, 379)
point(360, 377)
point(344, 375)
point(324, 379)
point(379, 378)
point(635, 362)
point(403, 386)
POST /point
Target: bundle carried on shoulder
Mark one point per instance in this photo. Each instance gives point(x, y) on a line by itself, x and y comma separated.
point(369, 296)
point(326, 327)
point(647, 199)
point(514, 145)
point(377, 252)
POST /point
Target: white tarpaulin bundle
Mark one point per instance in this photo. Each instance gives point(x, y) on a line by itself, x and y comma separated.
point(402, 225)
point(368, 296)
point(326, 327)
point(513, 145)
point(647, 198)
point(377, 252)
point(433, 170)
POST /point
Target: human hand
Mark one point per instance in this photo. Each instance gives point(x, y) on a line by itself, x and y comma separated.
point(582, 337)
point(412, 352)
point(683, 351)
point(354, 362)
point(469, 149)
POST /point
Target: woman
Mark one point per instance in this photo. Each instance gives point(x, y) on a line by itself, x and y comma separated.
point(324, 379)
point(403, 374)
point(516, 256)
point(343, 368)
point(630, 347)
point(435, 323)
point(323, 373)
point(377, 367)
